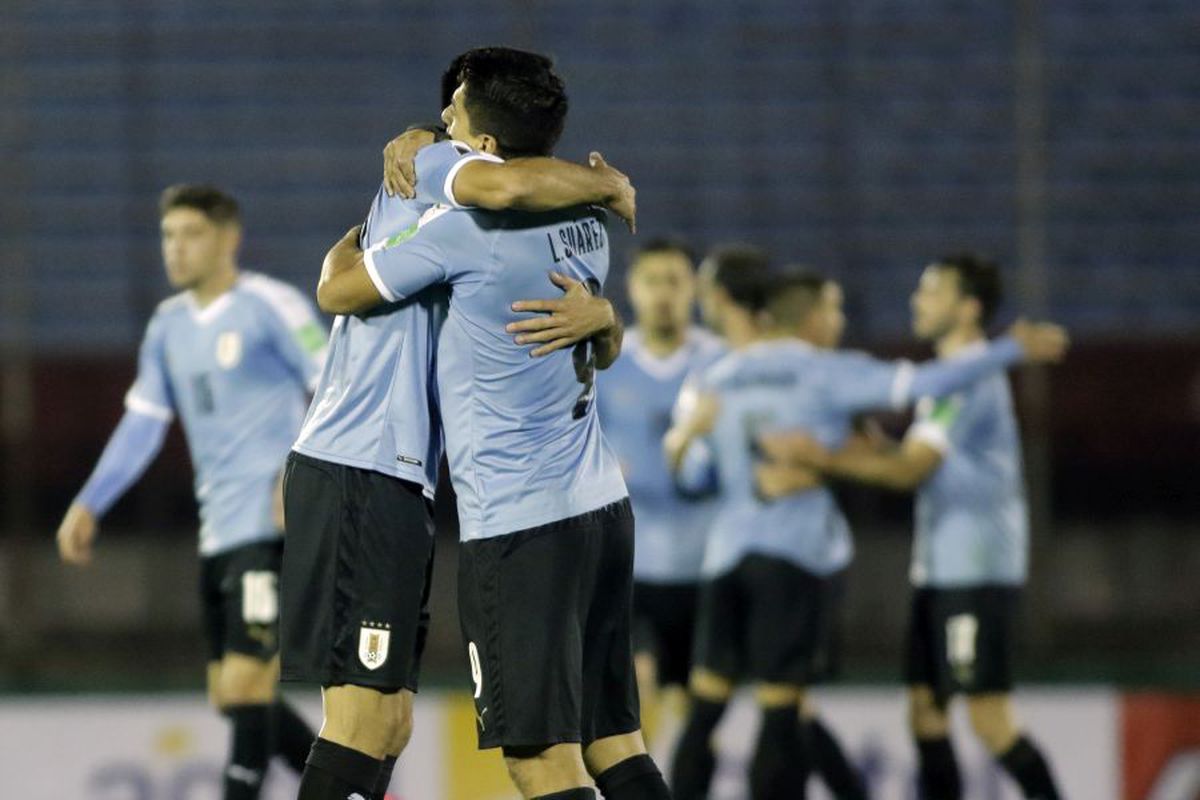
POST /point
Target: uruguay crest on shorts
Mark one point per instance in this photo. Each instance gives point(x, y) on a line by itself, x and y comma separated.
point(373, 638)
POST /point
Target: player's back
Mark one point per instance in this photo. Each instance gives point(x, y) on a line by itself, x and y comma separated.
point(772, 386)
point(522, 433)
point(374, 407)
point(972, 523)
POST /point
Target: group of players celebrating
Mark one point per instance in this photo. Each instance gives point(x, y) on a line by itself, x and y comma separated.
point(722, 442)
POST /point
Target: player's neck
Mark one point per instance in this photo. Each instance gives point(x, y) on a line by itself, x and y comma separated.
point(956, 340)
point(213, 287)
point(662, 342)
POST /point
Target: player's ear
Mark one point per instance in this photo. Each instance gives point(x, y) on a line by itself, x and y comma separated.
point(488, 144)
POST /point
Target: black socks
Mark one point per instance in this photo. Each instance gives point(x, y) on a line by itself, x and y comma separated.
point(635, 778)
point(334, 772)
point(937, 770)
point(830, 763)
point(250, 751)
point(779, 770)
point(293, 737)
point(582, 793)
point(692, 769)
point(1025, 763)
point(385, 777)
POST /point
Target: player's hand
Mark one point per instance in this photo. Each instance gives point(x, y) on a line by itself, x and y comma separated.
point(1043, 342)
point(399, 174)
point(623, 201)
point(563, 322)
point(774, 480)
point(76, 534)
point(794, 448)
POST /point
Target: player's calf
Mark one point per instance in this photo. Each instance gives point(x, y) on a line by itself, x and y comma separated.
point(623, 770)
point(937, 767)
point(692, 769)
point(245, 688)
point(993, 722)
point(781, 759)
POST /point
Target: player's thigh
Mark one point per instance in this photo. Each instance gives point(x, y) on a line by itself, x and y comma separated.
point(610, 692)
point(779, 695)
point(213, 684)
point(721, 630)
point(522, 608)
point(356, 574)
point(784, 621)
point(249, 628)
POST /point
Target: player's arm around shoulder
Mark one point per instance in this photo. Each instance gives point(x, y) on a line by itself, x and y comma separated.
point(902, 467)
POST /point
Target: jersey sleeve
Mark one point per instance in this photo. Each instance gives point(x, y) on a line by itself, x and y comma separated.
point(132, 446)
point(151, 393)
point(417, 257)
point(858, 382)
point(297, 332)
point(438, 165)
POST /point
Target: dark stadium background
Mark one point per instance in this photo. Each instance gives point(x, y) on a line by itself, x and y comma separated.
point(861, 138)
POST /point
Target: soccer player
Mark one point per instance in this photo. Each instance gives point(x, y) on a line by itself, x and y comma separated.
point(364, 468)
point(635, 401)
point(962, 457)
point(234, 355)
point(773, 564)
point(546, 565)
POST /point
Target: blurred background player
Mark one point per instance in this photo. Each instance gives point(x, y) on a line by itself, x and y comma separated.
point(773, 563)
point(234, 355)
point(365, 467)
point(962, 457)
point(635, 400)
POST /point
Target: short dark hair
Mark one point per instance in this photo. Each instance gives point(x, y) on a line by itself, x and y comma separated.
point(744, 272)
point(516, 97)
point(794, 294)
point(978, 277)
point(664, 244)
point(208, 200)
point(451, 78)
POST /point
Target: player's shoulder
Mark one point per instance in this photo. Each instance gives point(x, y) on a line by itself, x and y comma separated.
point(279, 297)
point(176, 307)
point(706, 345)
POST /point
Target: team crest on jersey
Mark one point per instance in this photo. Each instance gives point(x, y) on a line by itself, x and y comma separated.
point(229, 349)
point(373, 639)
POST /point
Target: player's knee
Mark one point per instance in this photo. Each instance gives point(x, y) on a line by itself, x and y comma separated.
point(541, 770)
point(710, 686)
point(926, 718)
point(992, 720)
point(605, 753)
point(777, 695)
point(245, 680)
point(646, 669)
point(213, 684)
point(367, 720)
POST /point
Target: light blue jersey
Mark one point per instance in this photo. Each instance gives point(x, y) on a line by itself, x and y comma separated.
point(522, 434)
point(786, 384)
point(635, 399)
point(971, 517)
point(237, 372)
point(376, 405)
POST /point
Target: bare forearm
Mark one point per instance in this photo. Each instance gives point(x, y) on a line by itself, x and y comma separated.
point(536, 184)
point(344, 287)
point(608, 343)
point(887, 469)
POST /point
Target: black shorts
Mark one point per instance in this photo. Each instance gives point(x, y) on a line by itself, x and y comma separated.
point(546, 616)
point(357, 559)
point(664, 625)
point(240, 600)
point(960, 640)
point(770, 621)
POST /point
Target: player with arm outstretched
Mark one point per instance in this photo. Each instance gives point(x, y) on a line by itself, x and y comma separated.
point(962, 457)
point(233, 356)
point(774, 564)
